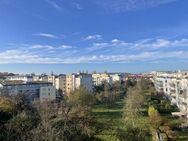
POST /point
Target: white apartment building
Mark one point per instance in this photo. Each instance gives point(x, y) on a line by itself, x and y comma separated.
point(70, 83)
point(182, 99)
point(23, 78)
point(60, 83)
point(33, 90)
point(175, 87)
point(47, 93)
point(115, 77)
point(40, 78)
point(159, 84)
point(84, 80)
point(98, 79)
point(74, 81)
point(51, 79)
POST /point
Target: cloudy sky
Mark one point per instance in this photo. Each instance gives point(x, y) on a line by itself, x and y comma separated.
point(114, 35)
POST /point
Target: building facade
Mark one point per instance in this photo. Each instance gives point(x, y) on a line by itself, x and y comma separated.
point(100, 78)
point(74, 81)
point(23, 78)
point(175, 88)
point(60, 83)
point(33, 90)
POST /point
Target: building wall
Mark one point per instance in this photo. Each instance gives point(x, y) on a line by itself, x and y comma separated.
point(47, 93)
point(69, 83)
point(175, 87)
point(21, 78)
point(115, 77)
point(31, 90)
point(98, 79)
point(51, 79)
point(74, 81)
point(60, 83)
point(84, 80)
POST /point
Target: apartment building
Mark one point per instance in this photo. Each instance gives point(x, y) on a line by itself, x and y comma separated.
point(51, 79)
point(98, 78)
point(33, 90)
point(70, 83)
point(60, 83)
point(115, 77)
point(47, 93)
point(182, 99)
point(23, 78)
point(74, 81)
point(40, 78)
point(175, 88)
point(84, 80)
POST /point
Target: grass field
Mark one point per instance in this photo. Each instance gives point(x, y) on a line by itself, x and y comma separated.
point(112, 117)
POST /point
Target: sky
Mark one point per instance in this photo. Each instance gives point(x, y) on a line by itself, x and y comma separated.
point(67, 36)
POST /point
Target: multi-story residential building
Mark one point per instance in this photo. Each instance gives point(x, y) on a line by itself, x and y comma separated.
point(115, 77)
point(47, 93)
point(60, 83)
point(182, 99)
point(175, 88)
point(98, 78)
point(70, 83)
point(106, 77)
point(33, 90)
point(43, 78)
point(36, 78)
point(23, 78)
point(74, 81)
point(84, 80)
point(51, 79)
point(159, 84)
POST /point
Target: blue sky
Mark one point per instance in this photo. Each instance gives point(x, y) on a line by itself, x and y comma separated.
point(114, 35)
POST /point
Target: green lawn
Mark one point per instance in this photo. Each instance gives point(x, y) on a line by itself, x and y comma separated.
point(112, 117)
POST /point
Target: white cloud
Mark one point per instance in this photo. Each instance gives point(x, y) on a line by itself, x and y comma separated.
point(162, 43)
point(115, 41)
point(94, 37)
point(150, 50)
point(126, 58)
point(22, 56)
point(46, 35)
point(66, 46)
point(48, 47)
point(145, 44)
point(54, 4)
point(77, 6)
point(38, 46)
point(130, 5)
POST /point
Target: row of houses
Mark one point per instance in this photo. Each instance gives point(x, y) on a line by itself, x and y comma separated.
point(48, 87)
point(175, 87)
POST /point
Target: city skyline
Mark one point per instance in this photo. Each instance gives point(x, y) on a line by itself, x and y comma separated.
point(102, 35)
